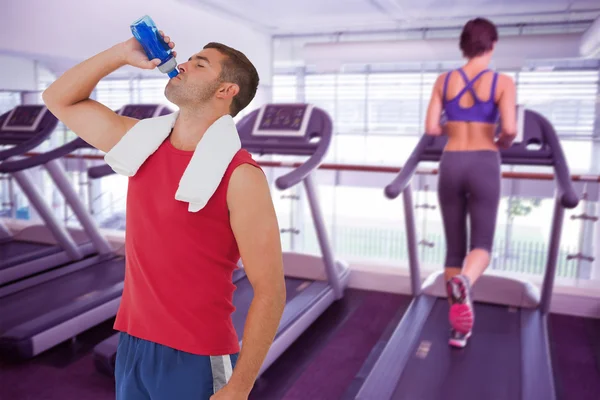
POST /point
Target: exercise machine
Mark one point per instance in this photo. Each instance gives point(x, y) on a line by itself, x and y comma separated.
point(48, 308)
point(37, 247)
point(45, 309)
point(508, 356)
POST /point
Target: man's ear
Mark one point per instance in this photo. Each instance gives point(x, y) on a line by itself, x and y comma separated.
point(228, 91)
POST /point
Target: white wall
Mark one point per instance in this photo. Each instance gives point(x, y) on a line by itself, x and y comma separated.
point(62, 32)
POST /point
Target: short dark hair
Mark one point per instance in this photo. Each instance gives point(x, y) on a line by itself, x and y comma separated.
point(478, 36)
point(239, 70)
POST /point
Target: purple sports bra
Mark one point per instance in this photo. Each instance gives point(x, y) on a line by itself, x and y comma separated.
point(480, 111)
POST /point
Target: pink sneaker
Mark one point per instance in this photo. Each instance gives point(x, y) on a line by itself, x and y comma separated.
point(461, 314)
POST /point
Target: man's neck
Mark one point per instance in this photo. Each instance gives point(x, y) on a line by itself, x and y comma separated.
point(191, 126)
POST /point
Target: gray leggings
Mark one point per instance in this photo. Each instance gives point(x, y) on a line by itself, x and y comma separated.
point(469, 183)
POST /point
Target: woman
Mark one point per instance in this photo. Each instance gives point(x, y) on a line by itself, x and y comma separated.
point(472, 98)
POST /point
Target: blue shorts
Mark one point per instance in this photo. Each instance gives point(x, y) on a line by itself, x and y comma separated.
point(146, 370)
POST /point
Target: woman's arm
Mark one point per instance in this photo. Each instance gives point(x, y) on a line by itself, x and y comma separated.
point(507, 104)
point(434, 111)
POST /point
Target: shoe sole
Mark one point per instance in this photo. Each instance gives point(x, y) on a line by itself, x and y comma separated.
point(459, 298)
point(457, 315)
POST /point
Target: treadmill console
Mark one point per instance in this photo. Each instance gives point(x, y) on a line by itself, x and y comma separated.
point(282, 120)
point(141, 111)
point(24, 118)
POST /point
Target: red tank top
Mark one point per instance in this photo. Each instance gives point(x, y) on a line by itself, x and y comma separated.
point(178, 282)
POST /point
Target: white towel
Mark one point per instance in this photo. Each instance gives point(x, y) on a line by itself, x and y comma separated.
point(203, 174)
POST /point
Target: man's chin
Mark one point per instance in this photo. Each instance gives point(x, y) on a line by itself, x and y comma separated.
point(171, 97)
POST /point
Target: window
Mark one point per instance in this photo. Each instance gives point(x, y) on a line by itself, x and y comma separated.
point(114, 93)
point(45, 78)
point(578, 154)
point(152, 91)
point(351, 96)
point(284, 89)
point(566, 98)
point(365, 106)
point(321, 91)
point(8, 101)
point(384, 102)
point(398, 102)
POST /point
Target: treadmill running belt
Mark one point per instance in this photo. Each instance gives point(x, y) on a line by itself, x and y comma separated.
point(489, 367)
point(15, 252)
point(52, 301)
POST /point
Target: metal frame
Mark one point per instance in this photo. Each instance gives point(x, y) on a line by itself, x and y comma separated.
point(57, 172)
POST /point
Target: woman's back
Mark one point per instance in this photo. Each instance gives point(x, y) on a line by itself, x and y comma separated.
point(471, 99)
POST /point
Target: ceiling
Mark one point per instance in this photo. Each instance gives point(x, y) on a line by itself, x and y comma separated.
point(285, 17)
point(61, 33)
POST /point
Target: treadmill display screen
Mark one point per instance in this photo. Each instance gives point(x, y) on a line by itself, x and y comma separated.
point(24, 118)
point(139, 111)
point(283, 117)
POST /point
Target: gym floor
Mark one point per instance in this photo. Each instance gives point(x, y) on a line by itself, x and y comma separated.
point(321, 364)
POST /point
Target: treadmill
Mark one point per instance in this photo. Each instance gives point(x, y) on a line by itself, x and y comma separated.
point(43, 246)
point(46, 309)
point(508, 356)
point(313, 283)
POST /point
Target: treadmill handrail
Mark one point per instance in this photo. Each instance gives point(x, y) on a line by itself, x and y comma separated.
point(100, 171)
point(406, 173)
point(21, 148)
point(568, 198)
point(294, 177)
point(43, 158)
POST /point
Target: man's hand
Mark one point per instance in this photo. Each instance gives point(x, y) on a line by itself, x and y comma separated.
point(132, 53)
point(230, 393)
point(68, 98)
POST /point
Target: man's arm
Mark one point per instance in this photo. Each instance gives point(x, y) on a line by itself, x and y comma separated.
point(68, 97)
point(254, 224)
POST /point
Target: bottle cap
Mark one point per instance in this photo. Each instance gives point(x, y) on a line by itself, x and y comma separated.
point(169, 67)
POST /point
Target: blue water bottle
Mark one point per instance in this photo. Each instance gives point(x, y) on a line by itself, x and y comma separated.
point(145, 31)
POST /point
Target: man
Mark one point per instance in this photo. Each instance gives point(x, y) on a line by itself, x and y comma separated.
point(177, 339)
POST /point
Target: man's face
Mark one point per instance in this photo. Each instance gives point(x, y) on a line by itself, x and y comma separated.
point(198, 79)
